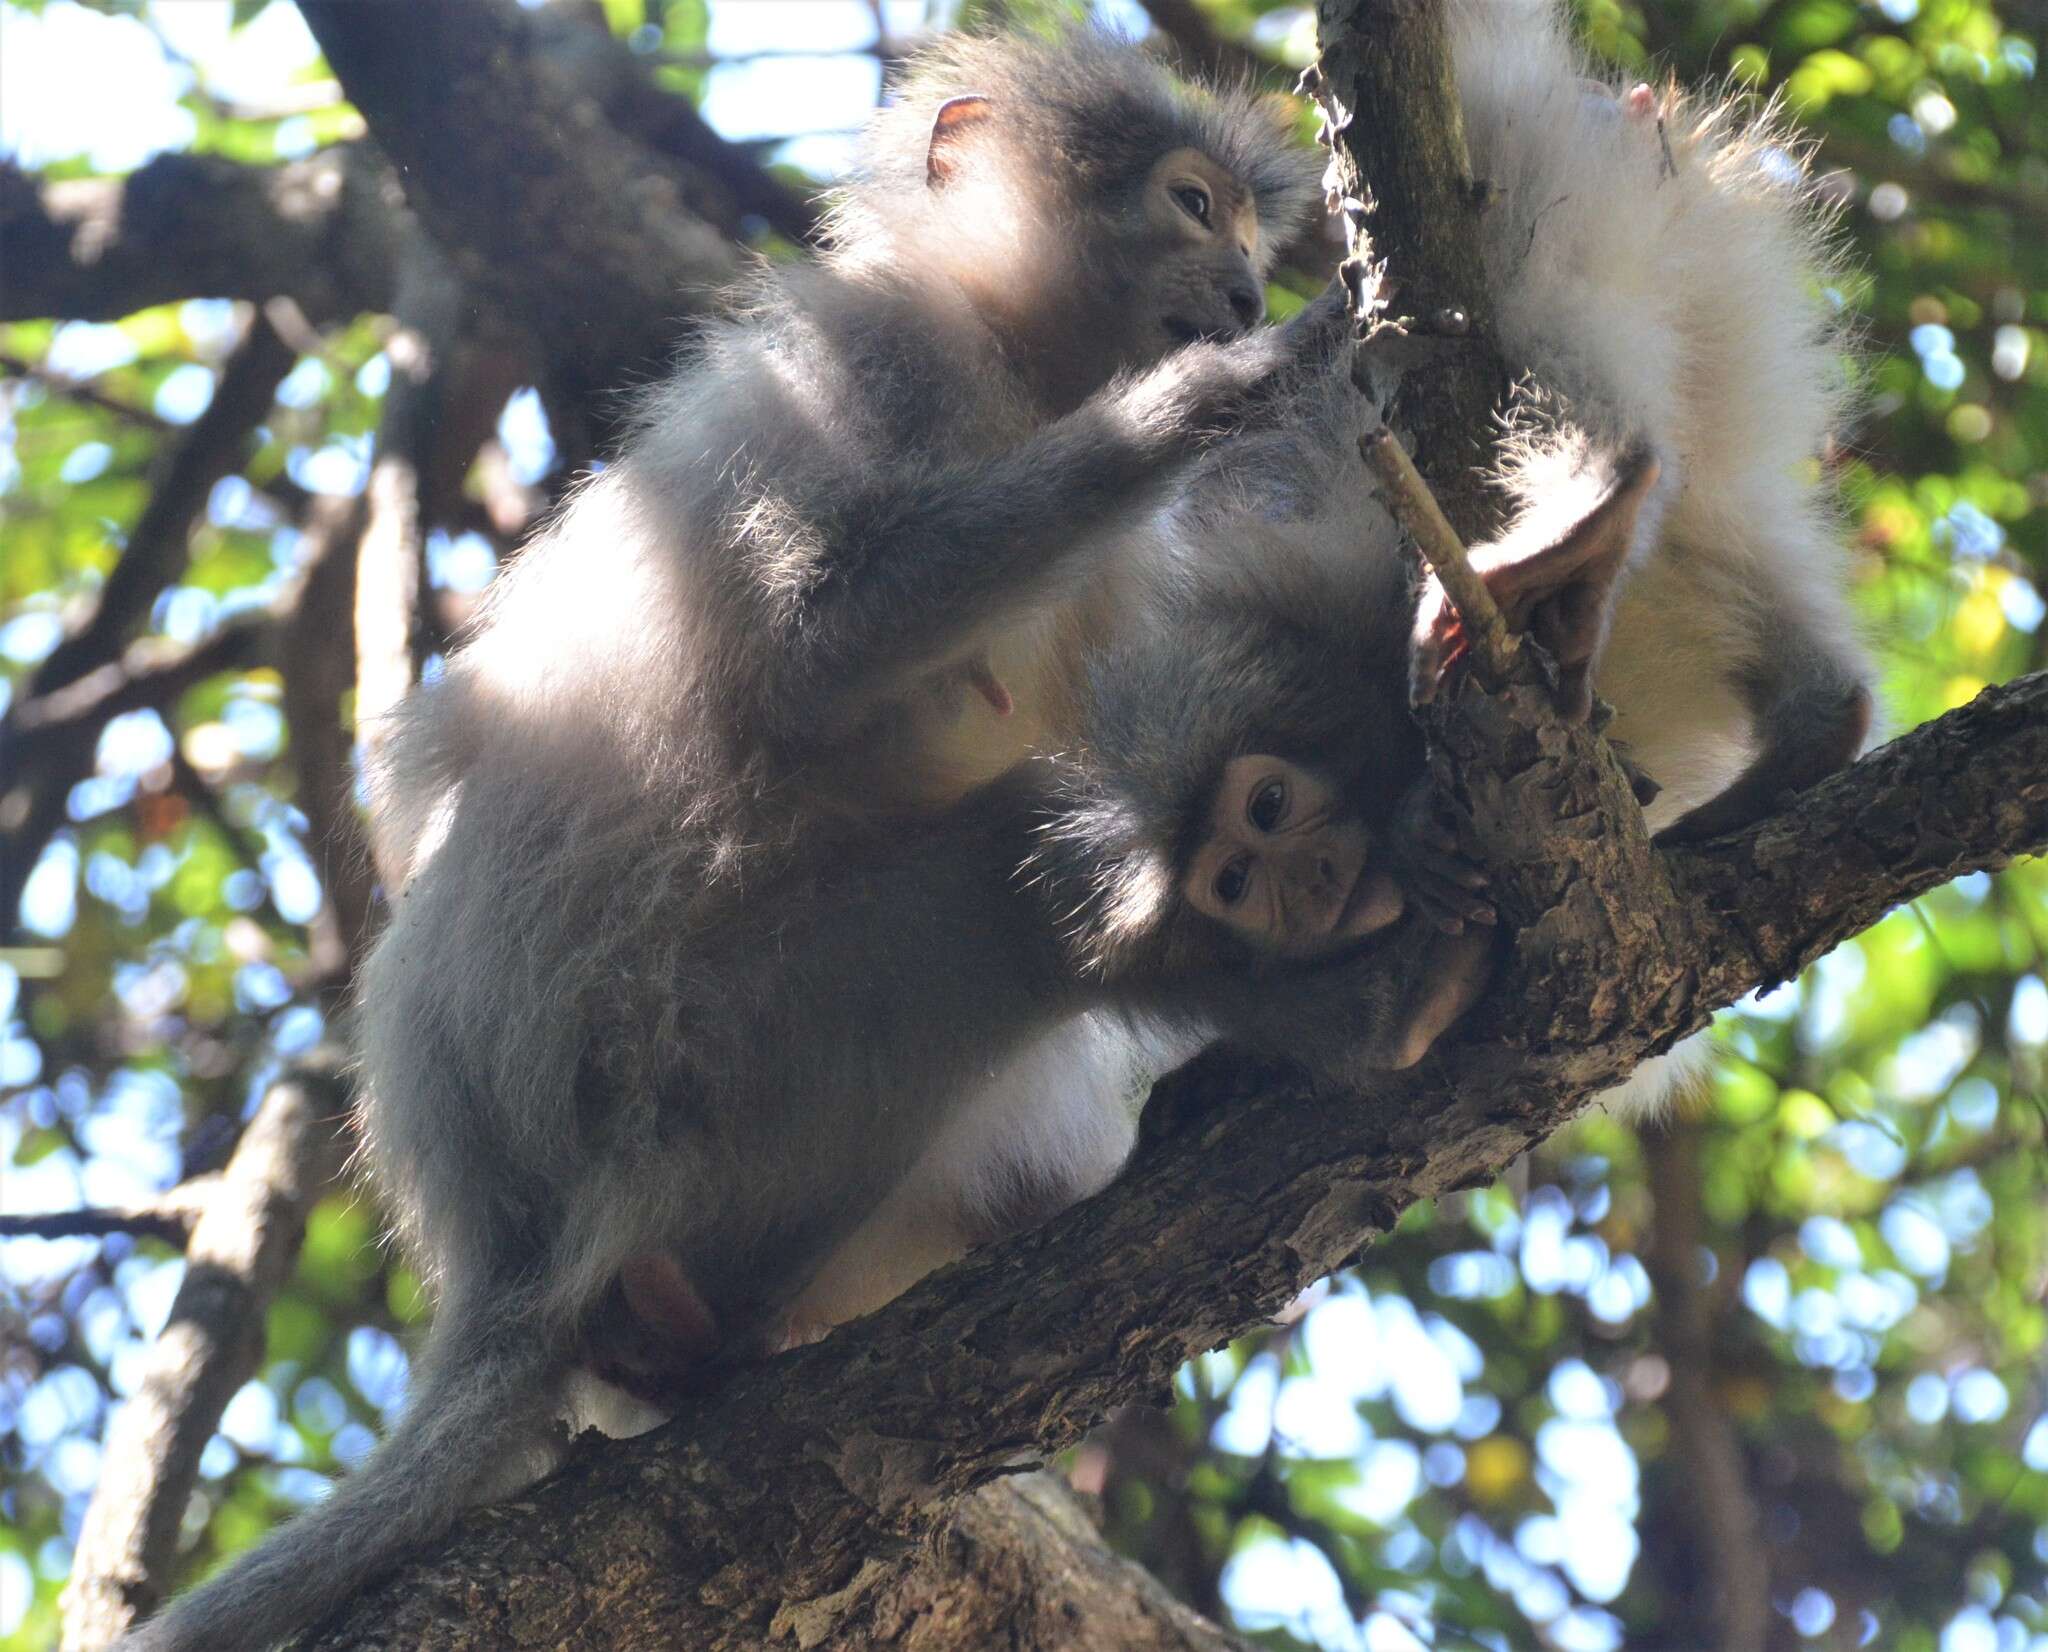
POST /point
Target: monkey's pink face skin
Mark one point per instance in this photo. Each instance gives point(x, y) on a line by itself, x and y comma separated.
point(1284, 866)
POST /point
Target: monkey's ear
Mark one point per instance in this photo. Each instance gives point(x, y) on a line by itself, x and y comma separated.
point(1558, 587)
point(955, 119)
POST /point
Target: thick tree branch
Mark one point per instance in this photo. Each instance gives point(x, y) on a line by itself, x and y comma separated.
point(323, 231)
point(1400, 169)
point(791, 1491)
point(549, 213)
point(580, 43)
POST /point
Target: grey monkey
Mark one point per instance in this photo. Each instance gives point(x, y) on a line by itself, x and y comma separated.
point(711, 923)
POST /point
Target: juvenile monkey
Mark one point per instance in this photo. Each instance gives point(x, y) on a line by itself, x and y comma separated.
point(712, 927)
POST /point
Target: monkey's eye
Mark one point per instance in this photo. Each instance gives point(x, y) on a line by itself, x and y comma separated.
point(1194, 202)
point(1231, 881)
point(1268, 806)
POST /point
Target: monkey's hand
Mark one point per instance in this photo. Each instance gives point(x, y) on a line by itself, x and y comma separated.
point(1214, 389)
point(1206, 391)
point(1441, 879)
point(1451, 977)
point(1317, 330)
point(1376, 1011)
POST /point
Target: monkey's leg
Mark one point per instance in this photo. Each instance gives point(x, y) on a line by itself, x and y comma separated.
point(1812, 714)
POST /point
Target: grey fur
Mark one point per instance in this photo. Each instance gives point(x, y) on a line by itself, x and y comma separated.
point(666, 977)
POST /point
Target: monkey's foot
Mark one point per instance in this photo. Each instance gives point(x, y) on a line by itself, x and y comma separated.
point(1782, 770)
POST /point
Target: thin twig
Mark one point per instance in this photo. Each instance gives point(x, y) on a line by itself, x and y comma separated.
point(169, 1218)
point(1415, 508)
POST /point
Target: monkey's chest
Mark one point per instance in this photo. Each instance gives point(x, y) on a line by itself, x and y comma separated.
point(982, 716)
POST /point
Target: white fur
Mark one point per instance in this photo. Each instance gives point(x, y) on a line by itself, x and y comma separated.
point(1677, 281)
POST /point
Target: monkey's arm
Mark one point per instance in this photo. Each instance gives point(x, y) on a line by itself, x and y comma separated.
point(906, 573)
point(1377, 1012)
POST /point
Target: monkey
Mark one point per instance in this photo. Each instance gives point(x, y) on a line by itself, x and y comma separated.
point(713, 925)
point(802, 784)
point(1657, 269)
point(1665, 268)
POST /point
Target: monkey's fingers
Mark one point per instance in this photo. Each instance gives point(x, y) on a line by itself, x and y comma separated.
point(1442, 881)
point(1449, 899)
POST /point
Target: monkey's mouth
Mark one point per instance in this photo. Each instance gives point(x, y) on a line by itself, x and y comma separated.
point(1374, 902)
point(1183, 331)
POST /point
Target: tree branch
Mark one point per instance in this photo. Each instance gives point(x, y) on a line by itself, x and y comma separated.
point(1203, 51)
point(1398, 164)
point(795, 1489)
point(549, 213)
point(168, 1217)
point(241, 1248)
point(49, 744)
point(179, 489)
point(323, 231)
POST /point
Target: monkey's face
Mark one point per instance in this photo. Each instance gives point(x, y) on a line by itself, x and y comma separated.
point(1286, 862)
point(1199, 274)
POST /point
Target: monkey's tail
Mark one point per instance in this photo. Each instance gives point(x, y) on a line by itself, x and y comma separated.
point(479, 1377)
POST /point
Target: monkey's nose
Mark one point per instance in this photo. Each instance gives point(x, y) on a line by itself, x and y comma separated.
point(1247, 303)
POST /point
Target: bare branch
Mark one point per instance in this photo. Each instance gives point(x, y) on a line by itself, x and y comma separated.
point(550, 214)
point(49, 744)
point(242, 1246)
point(184, 478)
point(168, 1218)
point(1203, 51)
point(83, 391)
